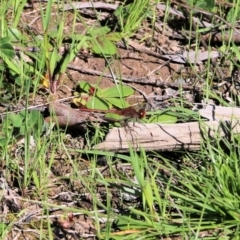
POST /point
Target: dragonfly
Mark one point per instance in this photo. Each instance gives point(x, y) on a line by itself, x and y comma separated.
point(126, 113)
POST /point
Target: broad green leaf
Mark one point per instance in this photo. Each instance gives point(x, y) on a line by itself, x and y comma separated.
point(114, 36)
point(35, 116)
point(6, 48)
point(117, 102)
point(14, 119)
point(4, 40)
point(18, 81)
point(96, 103)
point(3, 226)
point(14, 34)
point(6, 98)
point(116, 91)
point(37, 122)
point(119, 11)
point(99, 31)
point(233, 14)
point(103, 46)
point(34, 122)
point(7, 53)
point(85, 86)
point(11, 63)
point(205, 4)
point(3, 143)
point(76, 37)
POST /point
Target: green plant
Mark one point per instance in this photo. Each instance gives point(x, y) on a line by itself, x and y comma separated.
point(47, 64)
point(92, 96)
point(130, 16)
point(204, 4)
point(14, 126)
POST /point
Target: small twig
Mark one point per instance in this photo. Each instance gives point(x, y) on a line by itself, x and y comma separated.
point(159, 67)
point(81, 5)
point(143, 80)
point(35, 107)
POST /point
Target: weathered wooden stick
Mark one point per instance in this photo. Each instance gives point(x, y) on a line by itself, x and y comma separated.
point(170, 137)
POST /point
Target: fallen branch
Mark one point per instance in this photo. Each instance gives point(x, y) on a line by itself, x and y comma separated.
point(169, 137)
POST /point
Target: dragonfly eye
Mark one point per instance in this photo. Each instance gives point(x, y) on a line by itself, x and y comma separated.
point(142, 113)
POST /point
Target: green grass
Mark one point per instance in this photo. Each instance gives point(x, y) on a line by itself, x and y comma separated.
point(138, 195)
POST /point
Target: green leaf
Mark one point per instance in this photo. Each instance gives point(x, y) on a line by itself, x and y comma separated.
point(148, 194)
point(117, 102)
point(3, 226)
point(36, 179)
point(13, 65)
point(119, 11)
point(204, 4)
point(34, 116)
point(114, 36)
point(130, 222)
point(14, 119)
point(116, 91)
point(6, 47)
point(4, 40)
point(3, 143)
point(73, 51)
point(18, 81)
point(101, 45)
point(96, 103)
point(99, 31)
point(85, 86)
point(14, 34)
point(233, 15)
point(54, 57)
point(34, 122)
point(235, 50)
point(7, 53)
point(47, 16)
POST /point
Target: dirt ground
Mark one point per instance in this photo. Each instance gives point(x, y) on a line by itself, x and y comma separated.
point(130, 64)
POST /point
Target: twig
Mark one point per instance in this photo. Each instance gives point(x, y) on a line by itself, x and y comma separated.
point(81, 5)
point(159, 67)
point(35, 107)
point(143, 80)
